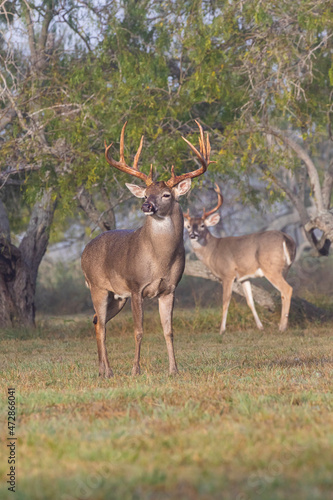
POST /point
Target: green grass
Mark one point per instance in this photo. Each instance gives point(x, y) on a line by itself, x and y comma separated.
point(249, 416)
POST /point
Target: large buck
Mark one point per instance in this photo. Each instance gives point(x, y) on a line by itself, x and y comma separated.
point(268, 253)
point(148, 262)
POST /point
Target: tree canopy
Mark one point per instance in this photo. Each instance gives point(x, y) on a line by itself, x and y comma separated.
point(257, 74)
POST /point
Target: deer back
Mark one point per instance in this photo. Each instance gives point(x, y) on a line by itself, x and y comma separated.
point(248, 255)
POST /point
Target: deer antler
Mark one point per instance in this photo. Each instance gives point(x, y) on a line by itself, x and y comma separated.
point(187, 215)
point(203, 157)
point(121, 165)
point(219, 203)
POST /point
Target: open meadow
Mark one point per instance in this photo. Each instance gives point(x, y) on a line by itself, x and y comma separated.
point(249, 416)
point(108, 112)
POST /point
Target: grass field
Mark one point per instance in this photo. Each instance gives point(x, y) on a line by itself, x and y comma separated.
point(249, 416)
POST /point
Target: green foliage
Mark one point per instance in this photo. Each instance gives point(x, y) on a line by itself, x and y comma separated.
point(160, 65)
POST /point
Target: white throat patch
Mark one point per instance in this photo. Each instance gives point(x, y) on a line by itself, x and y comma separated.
point(162, 224)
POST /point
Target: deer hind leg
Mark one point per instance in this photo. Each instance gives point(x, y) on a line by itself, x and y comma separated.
point(246, 285)
point(101, 301)
point(137, 312)
point(227, 291)
point(165, 305)
point(286, 292)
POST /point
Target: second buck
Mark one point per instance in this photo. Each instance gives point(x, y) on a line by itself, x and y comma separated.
point(268, 253)
point(148, 262)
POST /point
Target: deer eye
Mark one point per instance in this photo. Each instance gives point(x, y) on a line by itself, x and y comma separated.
point(166, 195)
point(202, 226)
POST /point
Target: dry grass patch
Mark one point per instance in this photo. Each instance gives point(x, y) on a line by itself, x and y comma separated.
point(249, 416)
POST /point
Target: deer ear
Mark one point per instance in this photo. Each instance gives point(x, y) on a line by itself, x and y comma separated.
point(212, 220)
point(138, 191)
point(182, 188)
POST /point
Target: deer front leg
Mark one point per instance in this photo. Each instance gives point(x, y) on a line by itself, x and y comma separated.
point(165, 305)
point(137, 312)
point(227, 291)
point(100, 302)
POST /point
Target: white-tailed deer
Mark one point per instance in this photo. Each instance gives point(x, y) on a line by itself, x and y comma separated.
point(148, 262)
point(267, 253)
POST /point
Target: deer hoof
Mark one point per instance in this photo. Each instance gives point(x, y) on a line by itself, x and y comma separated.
point(105, 372)
point(173, 372)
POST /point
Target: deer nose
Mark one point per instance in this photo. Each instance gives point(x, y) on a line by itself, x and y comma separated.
point(148, 207)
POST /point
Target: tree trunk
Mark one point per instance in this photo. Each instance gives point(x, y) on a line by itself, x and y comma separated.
point(322, 218)
point(19, 265)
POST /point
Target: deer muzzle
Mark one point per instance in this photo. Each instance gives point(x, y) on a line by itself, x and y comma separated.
point(193, 232)
point(149, 208)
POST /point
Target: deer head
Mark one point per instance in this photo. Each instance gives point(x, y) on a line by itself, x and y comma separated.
point(197, 226)
point(159, 196)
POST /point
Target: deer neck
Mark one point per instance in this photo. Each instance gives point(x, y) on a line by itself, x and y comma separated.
point(203, 247)
point(165, 234)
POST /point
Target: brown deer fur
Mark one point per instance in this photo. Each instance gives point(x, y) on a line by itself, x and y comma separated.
point(267, 253)
point(148, 262)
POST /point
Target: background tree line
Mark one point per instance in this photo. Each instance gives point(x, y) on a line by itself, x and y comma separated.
point(257, 74)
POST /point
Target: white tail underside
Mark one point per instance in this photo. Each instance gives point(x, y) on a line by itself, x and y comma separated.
point(286, 254)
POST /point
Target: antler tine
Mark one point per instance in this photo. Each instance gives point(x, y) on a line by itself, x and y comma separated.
point(136, 161)
point(187, 215)
point(121, 146)
point(208, 145)
point(219, 203)
point(137, 156)
point(202, 141)
point(122, 166)
point(203, 157)
point(107, 150)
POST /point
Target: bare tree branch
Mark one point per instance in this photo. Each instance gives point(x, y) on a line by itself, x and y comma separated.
point(7, 115)
point(102, 220)
point(328, 186)
point(303, 155)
